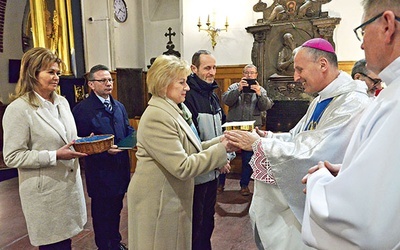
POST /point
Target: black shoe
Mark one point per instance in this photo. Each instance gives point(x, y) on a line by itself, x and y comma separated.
point(122, 246)
point(220, 189)
point(245, 191)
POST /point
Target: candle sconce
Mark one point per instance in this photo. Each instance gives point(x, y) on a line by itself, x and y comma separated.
point(212, 31)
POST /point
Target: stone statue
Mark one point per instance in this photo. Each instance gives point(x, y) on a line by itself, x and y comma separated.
point(311, 8)
point(260, 6)
point(284, 25)
point(278, 11)
point(282, 10)
point(285, 56)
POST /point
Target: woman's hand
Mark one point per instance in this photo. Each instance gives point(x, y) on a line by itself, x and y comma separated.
point(225, 169)
point(65, 152)
point(228, 146)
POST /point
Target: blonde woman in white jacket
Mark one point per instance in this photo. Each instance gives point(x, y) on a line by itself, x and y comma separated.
point(39, 130)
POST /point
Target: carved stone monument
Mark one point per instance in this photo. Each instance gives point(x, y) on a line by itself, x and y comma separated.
point(285, 25)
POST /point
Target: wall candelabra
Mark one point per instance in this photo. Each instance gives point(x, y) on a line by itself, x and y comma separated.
point(212, 31)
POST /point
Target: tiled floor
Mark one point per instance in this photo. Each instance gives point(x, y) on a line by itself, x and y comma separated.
point(231, 231)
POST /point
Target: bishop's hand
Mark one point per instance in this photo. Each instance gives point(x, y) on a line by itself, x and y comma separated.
point(242, 139)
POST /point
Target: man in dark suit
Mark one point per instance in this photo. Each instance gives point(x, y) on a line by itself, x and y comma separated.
point(108, 173)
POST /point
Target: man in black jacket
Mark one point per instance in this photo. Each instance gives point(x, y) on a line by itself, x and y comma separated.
point(208, 117)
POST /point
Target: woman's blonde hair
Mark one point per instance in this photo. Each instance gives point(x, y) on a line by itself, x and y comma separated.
point(164, 70)
point(33, 61)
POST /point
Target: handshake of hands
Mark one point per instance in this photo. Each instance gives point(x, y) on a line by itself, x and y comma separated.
point(239, 139)
point(234, 140)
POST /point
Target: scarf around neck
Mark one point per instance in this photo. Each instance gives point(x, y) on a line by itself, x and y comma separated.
point(186, 114)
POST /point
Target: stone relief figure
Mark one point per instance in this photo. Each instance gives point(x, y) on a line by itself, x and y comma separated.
point(278, 11)
point(281, 10)
point(311, 8)
point(285, 56)
point(269, 13)
point(284, 25)
point(291, 9)
point(260, 36)
point(260, 6)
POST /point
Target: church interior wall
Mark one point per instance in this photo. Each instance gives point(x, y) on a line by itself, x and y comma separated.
point(133, 43)
point(97, 35)
point(158, 16)
point(12, 48)
point(234, 46)
point(347, 45)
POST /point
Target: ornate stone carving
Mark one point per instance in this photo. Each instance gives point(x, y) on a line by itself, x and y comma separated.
point(285, 25)
point(269, 42)
point(325, 27)
point(284, 88)
point(284, 10)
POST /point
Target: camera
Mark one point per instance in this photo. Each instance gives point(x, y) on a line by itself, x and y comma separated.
point(247, 89)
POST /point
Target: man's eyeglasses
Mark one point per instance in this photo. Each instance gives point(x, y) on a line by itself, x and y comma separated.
point(103, 81)
point(249, 73)
point(359, 31)
point(374, 80)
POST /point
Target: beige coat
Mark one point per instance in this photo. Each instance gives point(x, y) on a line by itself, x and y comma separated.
point(52, 196)
point(160, 194)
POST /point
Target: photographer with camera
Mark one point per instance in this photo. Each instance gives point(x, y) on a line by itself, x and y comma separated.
point(246, 99)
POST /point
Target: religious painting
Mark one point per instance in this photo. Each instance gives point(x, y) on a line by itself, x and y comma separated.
point(48, 24)
point(58, 90)
point(79, 91)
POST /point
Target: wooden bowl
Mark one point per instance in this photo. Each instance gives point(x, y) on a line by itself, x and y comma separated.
point(94, 144)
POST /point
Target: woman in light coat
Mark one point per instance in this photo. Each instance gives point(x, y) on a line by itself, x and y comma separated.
point(39, 130)
point(170, 155)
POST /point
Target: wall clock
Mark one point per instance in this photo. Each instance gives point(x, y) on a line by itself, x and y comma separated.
point(120, 11)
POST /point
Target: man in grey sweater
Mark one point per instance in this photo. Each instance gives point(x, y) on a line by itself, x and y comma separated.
point(247, 100)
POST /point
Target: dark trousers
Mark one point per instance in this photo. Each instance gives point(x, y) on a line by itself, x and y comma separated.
point(205, 196)
point(246, 170)
point(62, 245)
point(106, 217)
